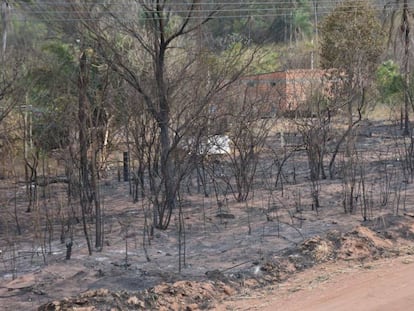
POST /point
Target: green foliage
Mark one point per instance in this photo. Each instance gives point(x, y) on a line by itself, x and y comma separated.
point(51, 129)
point(265, 21)
point(352, 39)
point(62, 54)
point(266, 60)
point(390, 82)
point(52, 75)
point(51, 95)
point(262, 59)
point(301, 21)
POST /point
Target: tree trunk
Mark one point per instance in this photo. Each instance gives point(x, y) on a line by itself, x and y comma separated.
point(167, 204)
point(406, 29)
point(167, 172)
point(97, 201)
point(83, 147)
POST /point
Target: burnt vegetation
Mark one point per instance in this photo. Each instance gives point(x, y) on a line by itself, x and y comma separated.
point(188, 139)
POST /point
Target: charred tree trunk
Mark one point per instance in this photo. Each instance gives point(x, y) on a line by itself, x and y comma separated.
point(97, 201)
point(83, 146)
point(405, 28)
point(168, 202)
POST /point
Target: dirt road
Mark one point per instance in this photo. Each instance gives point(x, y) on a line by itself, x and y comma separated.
point(383, 285)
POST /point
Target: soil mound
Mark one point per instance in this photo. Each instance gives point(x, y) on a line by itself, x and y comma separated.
point(363, 243)
point(318, 249)
point(181, 295)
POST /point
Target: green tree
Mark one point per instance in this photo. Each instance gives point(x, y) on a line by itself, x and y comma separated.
point(301, 20)
point(390, 82)
point(352, 42)
point(398, 25)
point(51, 95)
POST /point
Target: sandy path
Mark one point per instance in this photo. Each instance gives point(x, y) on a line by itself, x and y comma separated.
point(383, 285)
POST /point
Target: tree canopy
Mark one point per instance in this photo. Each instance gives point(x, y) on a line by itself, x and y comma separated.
point(352, 39)
point(390, 82)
